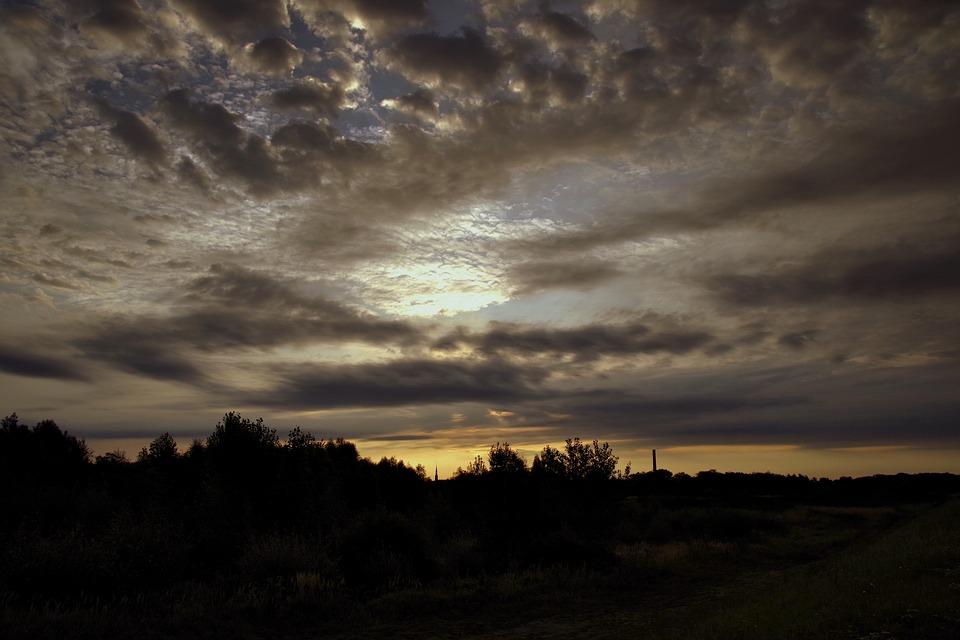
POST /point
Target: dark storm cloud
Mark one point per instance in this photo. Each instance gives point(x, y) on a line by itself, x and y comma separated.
point(809, 44)
point(23, 362)
point(122, 20)
point(421, 103)
point(235, 21)
point(143, 348)
point(927, 426)
point(310, 95)
point(233, 309)
point(236, 286)
point(900, 272)
point(247, 158)
point(399, 383)
point(624, 407)
point(273, 55)
point(542, 81)
point(190, 173)
point(133, 131)
point(321, 142)
point(584, 343)
point(207, 122)
point(565, 28)
point(530, 277)
point(466, 60)
point(892, 156)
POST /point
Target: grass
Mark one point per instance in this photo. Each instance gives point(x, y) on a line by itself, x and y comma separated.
point(904, 583)
point(802, 572)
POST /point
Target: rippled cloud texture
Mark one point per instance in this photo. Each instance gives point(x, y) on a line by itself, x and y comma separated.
point(692, 226)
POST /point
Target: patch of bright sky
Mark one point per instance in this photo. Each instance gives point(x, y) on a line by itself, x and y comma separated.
point(447, 266)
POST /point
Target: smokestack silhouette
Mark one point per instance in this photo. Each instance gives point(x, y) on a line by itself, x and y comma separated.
point(654, 460)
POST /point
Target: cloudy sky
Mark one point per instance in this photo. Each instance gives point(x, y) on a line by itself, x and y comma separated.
point(727, 230)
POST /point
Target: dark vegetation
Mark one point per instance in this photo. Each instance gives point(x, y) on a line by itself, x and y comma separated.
point(245, 534)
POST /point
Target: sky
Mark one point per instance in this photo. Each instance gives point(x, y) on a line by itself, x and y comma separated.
point(725, 230)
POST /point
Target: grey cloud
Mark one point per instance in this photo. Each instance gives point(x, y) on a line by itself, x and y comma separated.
point(95, 277)
point(399, 383)
point(531, 277)
point(248, 158)
point(254, 164)
point(297, 317)
point(234, 21)
point(23, 362)
point(542, 81)
point(95, 256)
point(391, 9)
point(379, 17)
point(585, 343)
point(626, 406)
point(273, 55)
point(905, 154)
point(466, 60)
point(421, 103)
point(399, 437)
point(236, 286)
point(895, 157)
point(798, 339)
point(232, 309)
point(809, 44)
point(141, 348)
point(122, 20)
point(142, 140)
point(190, 173)
point(323, 139)
point(887, 273)
point(558, 30)
point(565, 28)
point(54, 281)
point(310, 95)
point(207, 122)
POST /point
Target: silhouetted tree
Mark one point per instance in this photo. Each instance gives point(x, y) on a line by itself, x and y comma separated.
point(115, 457)
point(238, 433)
point(550, 462)
point(476, 468)
point(504, 459)
point(299, 439)
point(602, 464)
point(43, 453)
point(161, 449)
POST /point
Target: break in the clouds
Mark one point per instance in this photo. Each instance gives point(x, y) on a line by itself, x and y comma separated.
point(662, 223)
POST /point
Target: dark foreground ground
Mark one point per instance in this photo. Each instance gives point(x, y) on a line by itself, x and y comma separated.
point(245, 535)
point(800, 571)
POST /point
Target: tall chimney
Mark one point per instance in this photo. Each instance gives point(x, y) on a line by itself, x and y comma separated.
point(654, 460)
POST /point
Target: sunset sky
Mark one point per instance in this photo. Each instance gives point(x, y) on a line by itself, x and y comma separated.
point(727, 230)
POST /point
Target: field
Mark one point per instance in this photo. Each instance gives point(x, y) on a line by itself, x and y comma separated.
point(714, 571)
point(247, 536)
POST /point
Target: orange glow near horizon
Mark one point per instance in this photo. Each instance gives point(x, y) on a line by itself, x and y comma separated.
point(781, 459)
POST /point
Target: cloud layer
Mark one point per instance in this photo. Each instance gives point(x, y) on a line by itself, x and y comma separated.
point(651, 220)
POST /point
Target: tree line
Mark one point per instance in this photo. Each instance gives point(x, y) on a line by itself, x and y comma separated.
point(245, 506)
